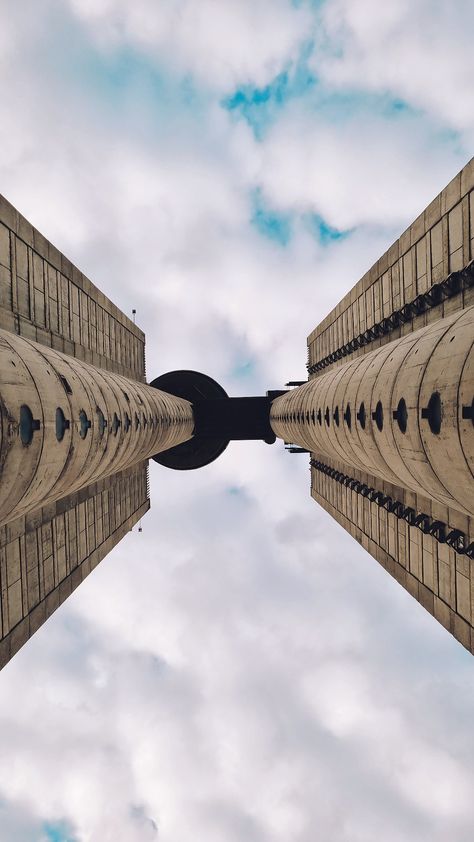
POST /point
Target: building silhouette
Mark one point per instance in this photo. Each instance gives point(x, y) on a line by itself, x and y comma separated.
point(386, 417)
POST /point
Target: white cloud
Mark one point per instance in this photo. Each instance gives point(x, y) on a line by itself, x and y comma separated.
point(241, 669)
point(221, 44)
point(416, 51)
point(355, 170)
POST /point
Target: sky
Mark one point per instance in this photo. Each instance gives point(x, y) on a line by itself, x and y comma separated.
point(241, 669)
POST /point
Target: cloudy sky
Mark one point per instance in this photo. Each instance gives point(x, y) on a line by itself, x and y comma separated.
point(240, 670)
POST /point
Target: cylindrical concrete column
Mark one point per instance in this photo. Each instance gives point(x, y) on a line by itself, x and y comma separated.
point(403, 412)
point(65, 424)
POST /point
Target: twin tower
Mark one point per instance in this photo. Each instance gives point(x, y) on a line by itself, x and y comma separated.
point(386, 417)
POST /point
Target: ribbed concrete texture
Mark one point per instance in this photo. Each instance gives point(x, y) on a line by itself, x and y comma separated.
point(440, 241)
point(66, 424)
point(46, 554)
point(391, 368)
point(401, 412)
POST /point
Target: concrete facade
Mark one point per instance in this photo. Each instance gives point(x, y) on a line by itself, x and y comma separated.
point(46, 554)
point(44, 297)
point(402, 337)
point(49, 311)
point(387, 416)
point(65, 424)
point(396, 412)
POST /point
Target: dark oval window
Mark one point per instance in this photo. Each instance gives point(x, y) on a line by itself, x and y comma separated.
point(102, 423)
point(433, 413)
point(347, 416)
point(401, 415)
point(377, 416)
point(28, 424)
point(62, 424)
point(115, 424)
point(84, 424)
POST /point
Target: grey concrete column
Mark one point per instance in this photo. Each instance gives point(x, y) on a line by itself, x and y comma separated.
point(65, 424)
point(403, 412)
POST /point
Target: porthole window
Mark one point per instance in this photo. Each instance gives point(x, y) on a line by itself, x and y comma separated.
point(468, 412)
point(401, 415)
point(361, 415)
point(62, 424)
point(28, 425)
point(347, 416)
point(433, 413)
point(115, 424)
point(84, 424)
point(101, 421)
point(377, 416)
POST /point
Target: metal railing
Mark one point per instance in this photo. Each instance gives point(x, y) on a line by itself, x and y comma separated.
point(452, 285)
point(454, 538)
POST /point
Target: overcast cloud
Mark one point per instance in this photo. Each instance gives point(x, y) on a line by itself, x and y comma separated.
point(241, 670)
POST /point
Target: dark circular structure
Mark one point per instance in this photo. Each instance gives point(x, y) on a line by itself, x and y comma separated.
point(205, 446)
point(191, 385)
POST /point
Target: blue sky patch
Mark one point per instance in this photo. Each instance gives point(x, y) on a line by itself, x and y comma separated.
point(58, 832)
point(234, 490)
point(128, 84)
point(324, 232)
point(260, 106)
point(278, 226)
point(244, 369)
point(270, 223)
point(126, 71)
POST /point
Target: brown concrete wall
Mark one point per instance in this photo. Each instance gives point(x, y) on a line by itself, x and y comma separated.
point(44, 297)
point(439, 578)
point(46, 554)
point(439, 241)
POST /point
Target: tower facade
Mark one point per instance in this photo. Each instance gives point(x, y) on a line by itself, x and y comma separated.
point(387, 414)
point(77, 426)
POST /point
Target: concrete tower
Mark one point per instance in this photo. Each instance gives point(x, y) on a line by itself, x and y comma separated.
point(388, 412)
point(77, 426)
point(387, 417)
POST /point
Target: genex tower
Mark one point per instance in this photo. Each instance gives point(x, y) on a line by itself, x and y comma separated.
point(386, 417)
